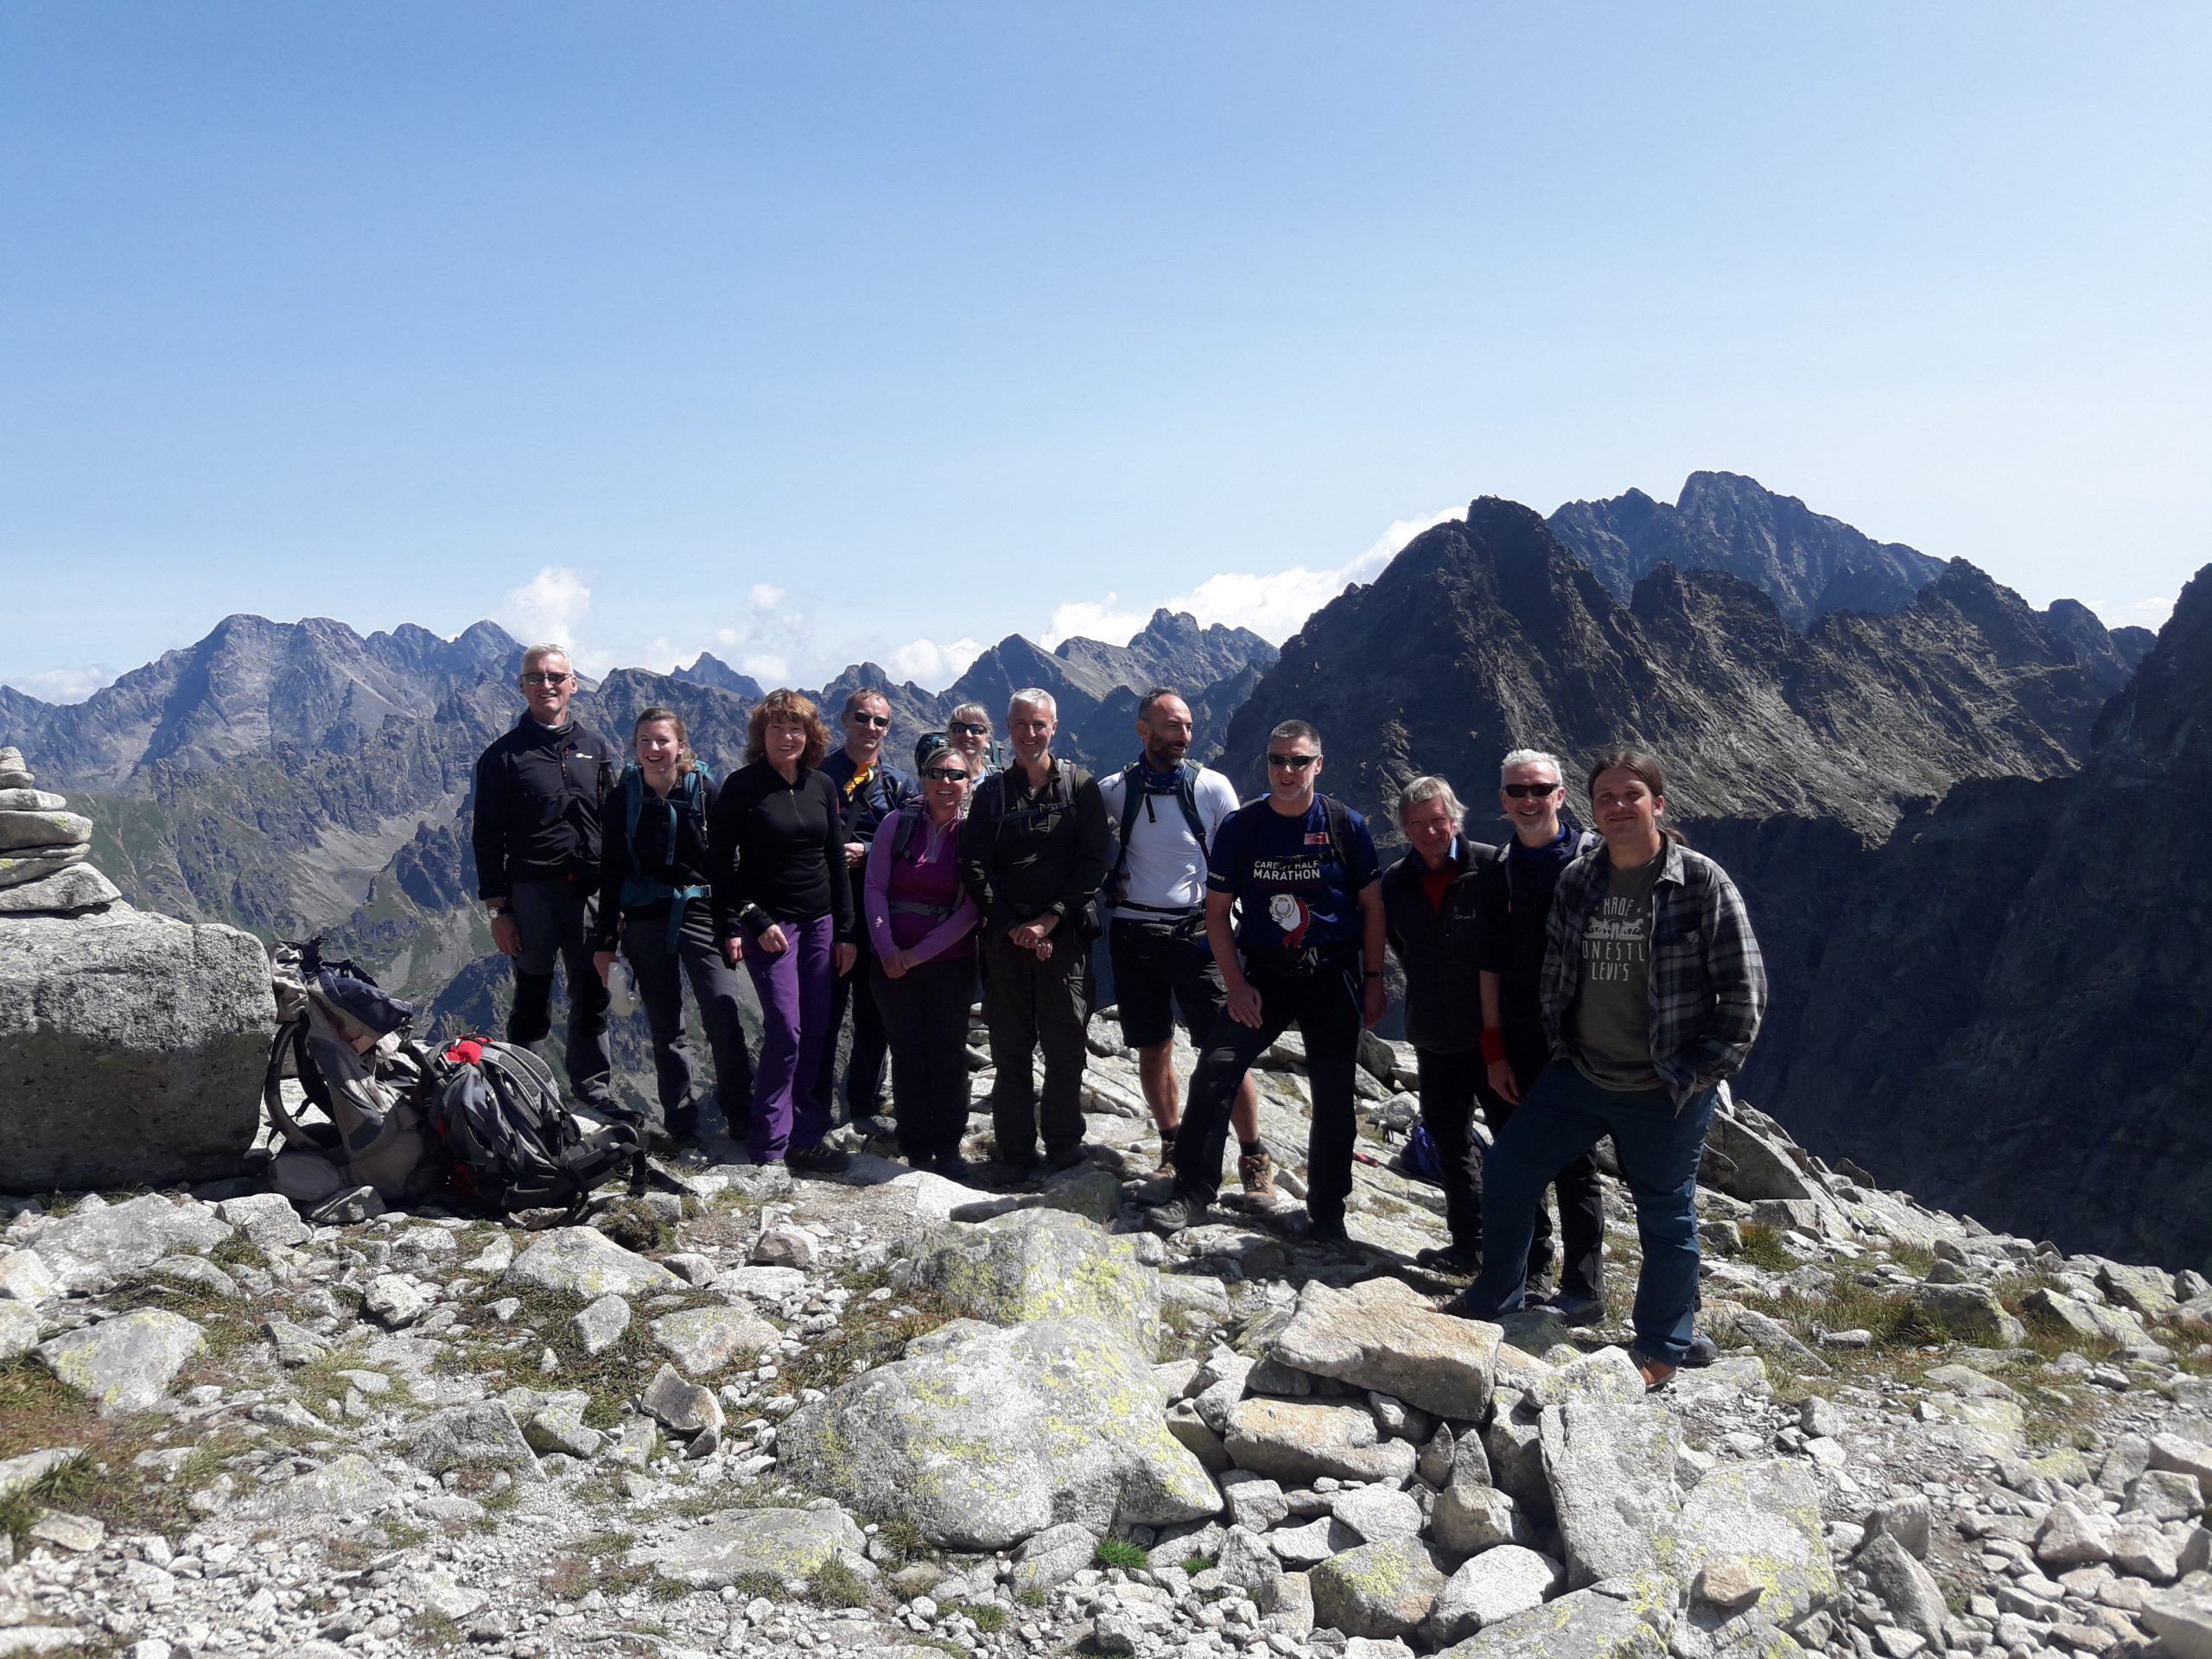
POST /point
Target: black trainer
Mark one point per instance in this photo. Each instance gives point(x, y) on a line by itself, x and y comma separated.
point(1187, 1210)
point(1449, 1258)
point(1577, 1310)
point(817, 1160)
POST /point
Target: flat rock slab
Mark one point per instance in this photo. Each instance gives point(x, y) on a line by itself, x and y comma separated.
point(73, 887)
point(350, 1484)
point(584, 1261)
point(26, 865)
point(982, 1436)
point(132, 1050)
point(1046, 1264)
point(20, 829)
point(98, 1246)
point(126, 1364)
point(1612, 1472)
point(2182, 1621)
point(1382, 1334)
point(1295, 1440)
point(1767, 1514)
point(1582, 1624)
point(701, 1340)
point(782, 1543)
point(1491, 1588)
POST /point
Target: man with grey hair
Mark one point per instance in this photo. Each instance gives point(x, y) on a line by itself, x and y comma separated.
point(1033, 850)
point(1513, 897)
point(1429, 911)
point(538, 792)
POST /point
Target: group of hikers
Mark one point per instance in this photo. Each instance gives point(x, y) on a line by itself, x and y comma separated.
point(1567, 985)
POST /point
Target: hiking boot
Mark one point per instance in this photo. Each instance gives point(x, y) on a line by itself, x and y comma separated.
point(1322, 1232)
point(1176, 1214)
point(1656, 1373)
point(1449, 1258)
point(1256, 1171)
point(1577, 1310)
point(817, 1160)
point(1166, 1165)
point(1465, 1306)
point(953, 1167)
point(1703, 1352)
point(878, 1127)
point(1065, 1158)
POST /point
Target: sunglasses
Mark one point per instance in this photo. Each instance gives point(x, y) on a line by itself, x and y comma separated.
point(545, 679)
point(1293, 762)
point(968, 728)
point(945, 774)
point(880, 722)
point(1523, 791)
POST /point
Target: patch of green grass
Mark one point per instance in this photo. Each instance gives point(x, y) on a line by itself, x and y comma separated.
point(634, 1224)
point(903, 1536)
point(1118, 1552)
point(663, 1589)
point(238, 1251)
point(320, 1385)
point(1915, 1258)
point(1763, 1248)
point(749, 1584)
point(988, 1616)
point(436, 1632)
point(833, 1584)
point(1195, 1565)
point(1031, 1596)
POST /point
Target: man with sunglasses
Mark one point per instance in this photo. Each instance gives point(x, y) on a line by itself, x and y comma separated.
point(1297, 871)
point(871, 791)
point(1513, 896)
point(539, 789)
point(1033, 848)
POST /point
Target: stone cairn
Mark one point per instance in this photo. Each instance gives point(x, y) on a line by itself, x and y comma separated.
point(43, 847)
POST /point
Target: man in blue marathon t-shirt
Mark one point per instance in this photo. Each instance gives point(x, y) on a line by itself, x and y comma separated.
point(1299, 870)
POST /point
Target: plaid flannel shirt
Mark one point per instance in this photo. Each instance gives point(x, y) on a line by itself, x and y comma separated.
point(1709, 981)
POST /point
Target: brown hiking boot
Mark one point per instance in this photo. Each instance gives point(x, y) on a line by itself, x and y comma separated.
point(1257, 1173)
point(1656, 1373)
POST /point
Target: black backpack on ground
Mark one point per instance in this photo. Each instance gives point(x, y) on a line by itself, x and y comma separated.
point(495, 1113)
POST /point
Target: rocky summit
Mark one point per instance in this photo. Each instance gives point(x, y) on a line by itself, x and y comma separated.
point(889, 1415)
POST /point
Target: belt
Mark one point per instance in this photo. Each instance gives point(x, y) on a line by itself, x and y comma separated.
point(1159, 910)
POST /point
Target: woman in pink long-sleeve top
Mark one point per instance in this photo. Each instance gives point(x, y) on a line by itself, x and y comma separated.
point(923, 923)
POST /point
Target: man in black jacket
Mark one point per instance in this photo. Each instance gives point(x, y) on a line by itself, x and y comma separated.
point(871, 790)
point(1033, 852)
point(1428, 911)
point(538, 792)
point(1515, 897)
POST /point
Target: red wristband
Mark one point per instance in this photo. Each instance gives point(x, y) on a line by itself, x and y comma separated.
point(1493, 1044)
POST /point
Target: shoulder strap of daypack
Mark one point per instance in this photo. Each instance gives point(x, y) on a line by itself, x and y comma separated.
point(903, 831)
point(634, 804)
point(1339, 820)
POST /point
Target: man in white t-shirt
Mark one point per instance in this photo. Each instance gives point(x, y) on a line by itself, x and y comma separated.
point(1166, 811)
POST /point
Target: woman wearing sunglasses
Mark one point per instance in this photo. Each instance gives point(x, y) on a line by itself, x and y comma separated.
point(923, 926)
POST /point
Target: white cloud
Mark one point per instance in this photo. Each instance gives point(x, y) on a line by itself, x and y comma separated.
point(2141, 613)
point(550, 609)
point(765, 596)
point(934, 667)
point(1094, 620)
point(1274, 604)
point(766, 667)
point(63, 684)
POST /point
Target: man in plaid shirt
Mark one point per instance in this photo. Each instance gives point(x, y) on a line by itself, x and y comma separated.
point(1652, 993)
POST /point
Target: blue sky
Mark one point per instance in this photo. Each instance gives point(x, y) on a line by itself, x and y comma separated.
point(806, 332)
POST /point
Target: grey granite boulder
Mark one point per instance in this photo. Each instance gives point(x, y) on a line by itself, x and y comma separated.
point(132, 1050)
point(1384, 1334)
point(583, 1261)
point(125, 1363)
point(1768, 1514)
point(72, 888)
point(267, 1219)
point(1376, 1590)
point(1914, 1600)
point(1583, 1624)
point(1612, 1472)
point(1295, 1440)
point(981, 1437)
point(18, 1329)
point(484, 1433)
point(99, 1245)
point(20, 829)
point(348, 1484)
point(1491, 1588)
point(1053, 1557)
point(705, 1339)
point(1046, 1264)
point(598, 1326)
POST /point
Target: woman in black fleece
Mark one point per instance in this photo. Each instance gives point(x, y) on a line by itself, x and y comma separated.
point(653, 896)
point(779, 847)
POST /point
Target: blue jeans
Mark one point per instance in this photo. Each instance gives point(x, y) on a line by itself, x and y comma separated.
point(1564, 1115)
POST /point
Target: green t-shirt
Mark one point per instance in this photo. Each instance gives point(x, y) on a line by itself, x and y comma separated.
point(1613, 1010)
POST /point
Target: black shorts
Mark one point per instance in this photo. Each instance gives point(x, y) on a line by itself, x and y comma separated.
point(1155, 973)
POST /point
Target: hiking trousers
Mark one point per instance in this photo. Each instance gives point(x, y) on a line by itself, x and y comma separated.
point(553, 917)
point(925, 1009)
point(1581, 1189)
point(661, 972)
point(1659, 1146)
point(871, 1042)
point(1030, 1005)
point(789, 1113)
point(1325, 1009)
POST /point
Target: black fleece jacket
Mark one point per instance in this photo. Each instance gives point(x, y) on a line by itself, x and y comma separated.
point(1439, 949)
point(780, 849)
point(538, 794)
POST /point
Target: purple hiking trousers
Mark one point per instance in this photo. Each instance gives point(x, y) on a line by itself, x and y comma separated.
point(789, 1111)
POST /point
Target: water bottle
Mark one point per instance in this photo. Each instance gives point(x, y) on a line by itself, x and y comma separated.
point(621, 990)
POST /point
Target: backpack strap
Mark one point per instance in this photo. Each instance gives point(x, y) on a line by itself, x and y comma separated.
point(1186, 796)
point(1340, 817)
